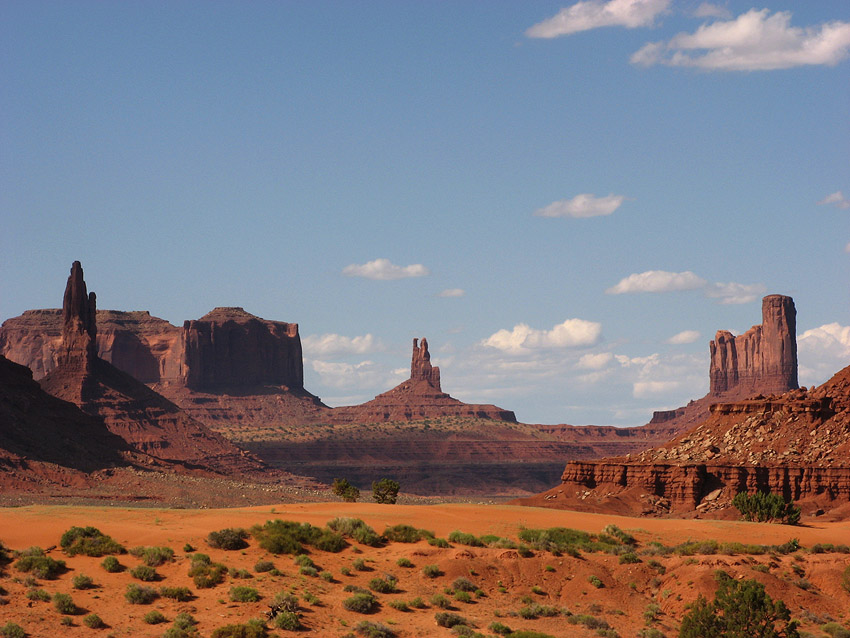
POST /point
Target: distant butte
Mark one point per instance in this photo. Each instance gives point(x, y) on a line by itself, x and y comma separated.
point(419, 397)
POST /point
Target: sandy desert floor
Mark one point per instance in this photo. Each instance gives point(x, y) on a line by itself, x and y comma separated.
point(808, 582)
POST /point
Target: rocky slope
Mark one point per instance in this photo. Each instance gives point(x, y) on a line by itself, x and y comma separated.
point(419, 397)
point(796, 444)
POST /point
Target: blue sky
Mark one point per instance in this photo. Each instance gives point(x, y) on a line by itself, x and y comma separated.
point(567, 199)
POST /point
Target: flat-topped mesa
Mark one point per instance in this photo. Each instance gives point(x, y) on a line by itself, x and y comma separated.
point(763, 359)
point(231, 348)
point(79, 325)
point(420, 365)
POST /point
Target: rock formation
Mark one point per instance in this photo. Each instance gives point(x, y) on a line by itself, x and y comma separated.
point(420, 397)
point(763, 359)
point(147, 421)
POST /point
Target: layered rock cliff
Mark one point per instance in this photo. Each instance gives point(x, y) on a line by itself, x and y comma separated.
point(419, 397)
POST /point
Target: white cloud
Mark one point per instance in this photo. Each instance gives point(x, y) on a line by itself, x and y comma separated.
point(664, 281)
point(583, 205)
point(569, 334)
point(837, 199)
point(384, 269)
point(644, 389)
point(362, 375)
point(754, 41)
point(657, 281)
point(594, 361)
point(732, 293)
point(452, 292)
point(329, 344)
point(686, 336)
point(592, 14)
point(822, 352)
point(710, 10)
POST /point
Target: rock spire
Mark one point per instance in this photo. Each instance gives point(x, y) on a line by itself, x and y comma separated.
point(420, 365)
point(79, 326)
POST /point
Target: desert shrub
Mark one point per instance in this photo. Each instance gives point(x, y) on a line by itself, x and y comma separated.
point(140, 594)
point(438, 600)
point(153, 556)
point(81, 581)
point(591, 622)
point(35, 561)
point(230, 539)
point(405, 534)
point(144, 573)
point(651, 613)
point(650, 632)
point(288, 537)
point(154, 617)
point(345, 490)
point(88, 541)
point(374, 630)
point(308, 570)
point(243, 594)
point(439, 542)
point(188, 548)
point(251, 629)
point(835, 630)
point(621, 536)
point(5, 557)
point(356, 529)
point(845, 579)
point(500, 629)
point(204, 573)
point(38, 594)
point(303, 560)
point(12, 630)
point(465, 539)
point(180, 594)
point(766, 507)
point(182, 627)
point(464, 584)
point(463, 597)
point(286, 602)
point(629, 558)
point(263, 566)
point(111, 564)
point(362, 602)
point(360, 565)
point(93, 621)
point(537, 611)
point(739, 608)
point(385, 491)
point(399, 605)
point(596, 582)
point(449, 619)
point(239, 573)
point(64, 604)
point(288, 620)
point(431, 571)
point(382, 585)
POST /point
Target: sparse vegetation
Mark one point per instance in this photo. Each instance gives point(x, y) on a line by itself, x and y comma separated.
point(204, 573)
point(81, 581)
point(355, 529)
point(766, 507)
point(449, 619)
point(153, 556)
point(288, 620)
point(251, 629)
point(12, 630)
point(431, 571)
point(404, 562)
point(111, 564)
point(140, 594)
point(93, 621)
point(154, 617)
point(362, 602)
point(88, 541)
point(232, 538)
point(383, 585)
point(374, 630)
point(38, 594)
point(64, 604)
point(242, 594)
point(288, 537)
point(144, 573)
point(262, 566)
point(406, 534)
point(35, 561)
point(180, 594)
point(463, 538)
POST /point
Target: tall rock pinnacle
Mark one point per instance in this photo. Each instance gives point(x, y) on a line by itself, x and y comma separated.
point(79, 329)
point(763, 359)
point(420, 365)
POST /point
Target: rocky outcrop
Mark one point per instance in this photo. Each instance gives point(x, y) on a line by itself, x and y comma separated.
point(763, 359)
point(147, 421)
point(230, 348)
point(795, 444)
point(420, 397)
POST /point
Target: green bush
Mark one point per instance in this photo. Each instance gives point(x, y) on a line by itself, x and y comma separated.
point(34, 560)
point(404, 562)
point(431, 571)
point(154, 617)
point(766, 507)
point(399, 605)
point(596, 582)
point(230, 539)
point(374, 630)
point(345, 490)
point(111, 564)
point(204, 573)
point(845, 579)
point(81, 581)
point(383, 586)
point(140, 594)
point(464, 584)
point(288, 537)
point(88, 541)
point(835, 630)
point(385, 491)
point(739, 608)
point(286, 602)
point(12, 630)
point(360, 565)
point(242, 594)
point(64, 604)
point(465, 539)
point(263, 566)
point(361, 602)
point(438, 600)
point(144, 573)
point(463, 596)
point(500, 629)
point(406, 534)
point(251, 629)
point(288, 620)
point(182, 627)
point(629, 558)
point(93, 621)
point(449, 619)
point(355, 529)
point(180, 594)
point(38, 594)
point(153, 556)
point(439, 542)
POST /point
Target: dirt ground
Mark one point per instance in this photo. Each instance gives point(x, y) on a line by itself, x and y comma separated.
point(808, 582)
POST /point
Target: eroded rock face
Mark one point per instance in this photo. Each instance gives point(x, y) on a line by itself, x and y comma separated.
point(79, 326)
point(763, 359)
point(230, 348)
point(420, 365)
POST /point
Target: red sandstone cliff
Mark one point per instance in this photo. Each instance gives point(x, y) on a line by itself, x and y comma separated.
point(420, 397)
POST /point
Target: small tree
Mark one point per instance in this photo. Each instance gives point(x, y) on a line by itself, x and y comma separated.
point(385, 491)
point(765, 507)
point(740, 609)
point(345, 490)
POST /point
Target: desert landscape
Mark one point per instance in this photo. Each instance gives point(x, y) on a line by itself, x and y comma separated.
point(521, 320)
